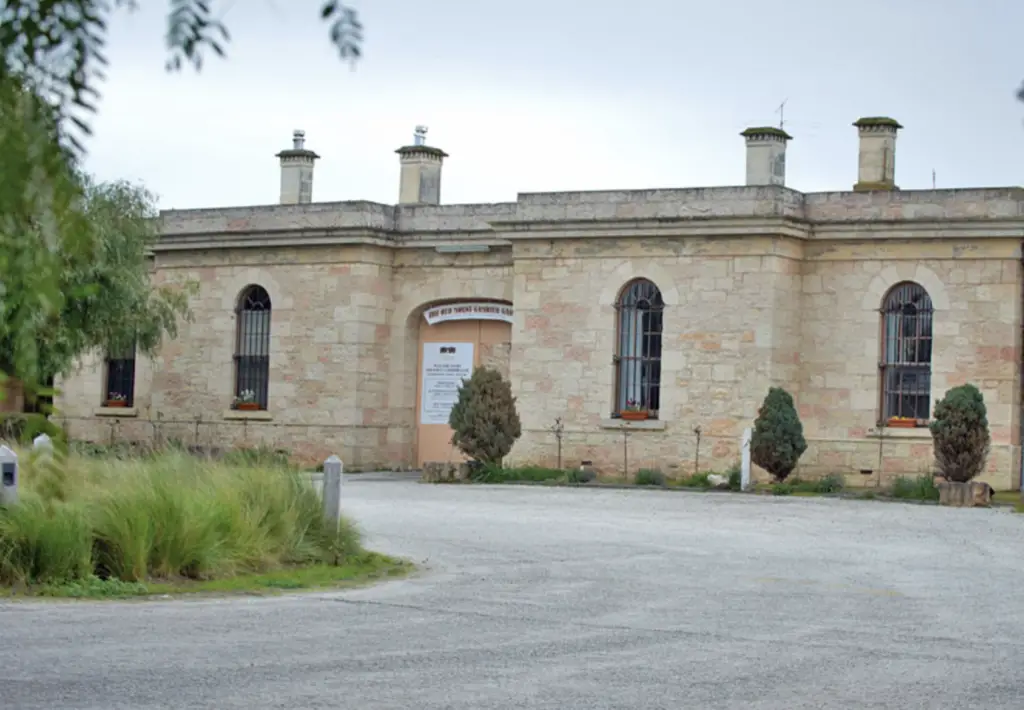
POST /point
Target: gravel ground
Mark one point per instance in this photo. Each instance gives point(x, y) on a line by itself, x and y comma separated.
point(570, 598)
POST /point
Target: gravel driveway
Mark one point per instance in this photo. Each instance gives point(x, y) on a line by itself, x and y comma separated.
point(562, 598)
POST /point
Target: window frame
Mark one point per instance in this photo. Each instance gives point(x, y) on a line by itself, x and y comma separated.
point(898, 399)
point(639, 342)
point(119, 376)
point(252, 344)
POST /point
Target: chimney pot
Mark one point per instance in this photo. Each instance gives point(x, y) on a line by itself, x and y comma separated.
point(297, 171)
point(876, 164)
point(766, 155)
point(420, 181)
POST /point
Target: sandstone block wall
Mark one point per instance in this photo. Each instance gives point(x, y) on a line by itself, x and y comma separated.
point(724, 344)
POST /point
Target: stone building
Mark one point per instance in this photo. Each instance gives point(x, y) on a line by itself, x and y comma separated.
point(348, 324)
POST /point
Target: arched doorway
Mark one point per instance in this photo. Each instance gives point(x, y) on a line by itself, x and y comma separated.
point(455, 338)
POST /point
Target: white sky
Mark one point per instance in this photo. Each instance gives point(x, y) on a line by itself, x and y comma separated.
point(532, 95)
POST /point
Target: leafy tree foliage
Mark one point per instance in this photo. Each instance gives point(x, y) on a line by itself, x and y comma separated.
point(74, 254)
point(960, 433)
point(59, 45)
point(777, 442)
point(484, 419)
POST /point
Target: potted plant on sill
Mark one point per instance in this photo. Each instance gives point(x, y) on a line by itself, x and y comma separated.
point(901, 422)
point(246, 401)
point(633, 412)
point(116, 399)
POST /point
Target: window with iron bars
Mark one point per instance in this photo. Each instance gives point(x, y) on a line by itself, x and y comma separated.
point(906, 365)
point(121, 378)
point(638, 355)
point(252, 352)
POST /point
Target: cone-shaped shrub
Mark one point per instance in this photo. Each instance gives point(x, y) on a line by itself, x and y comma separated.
point(484, 419)
point(960, 433)
point(778, 441)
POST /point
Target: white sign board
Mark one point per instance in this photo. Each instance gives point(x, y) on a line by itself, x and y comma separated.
point(445, 366)
point(468, 311)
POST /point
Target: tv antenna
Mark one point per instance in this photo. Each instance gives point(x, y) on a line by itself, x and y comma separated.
point(781, 110)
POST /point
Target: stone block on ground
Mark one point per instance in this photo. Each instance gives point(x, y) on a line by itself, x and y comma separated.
point(444, 472)
point(973, 494)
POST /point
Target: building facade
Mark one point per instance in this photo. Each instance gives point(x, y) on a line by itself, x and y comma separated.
point(346, 326)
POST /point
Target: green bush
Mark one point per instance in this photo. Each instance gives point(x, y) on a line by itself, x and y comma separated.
point(832, 483)
point(960, 433)
point(778, 438)
point(581, 475)
point(735, 474)
point(920, 488)
point(166, 517)
point(493, 473)
point(484, 420)
point(697, 480)
point(649, 477)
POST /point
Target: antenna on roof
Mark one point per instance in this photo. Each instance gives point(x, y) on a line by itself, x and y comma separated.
point(933, 178)
point(781, 110)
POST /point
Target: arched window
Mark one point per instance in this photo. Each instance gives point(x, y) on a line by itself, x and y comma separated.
point(638, 356)
point(252, 351)
point(906, 365)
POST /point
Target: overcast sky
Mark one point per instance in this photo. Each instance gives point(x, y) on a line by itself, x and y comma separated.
point(539, 95)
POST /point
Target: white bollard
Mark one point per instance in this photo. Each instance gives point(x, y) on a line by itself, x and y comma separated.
point(8, 476)
point(748, 434)
point(43, 445)
point(332, 490)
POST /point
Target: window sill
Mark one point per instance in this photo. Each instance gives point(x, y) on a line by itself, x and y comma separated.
point(124, 412)
point(257, 415)
point(921, 432)
point(642, 425)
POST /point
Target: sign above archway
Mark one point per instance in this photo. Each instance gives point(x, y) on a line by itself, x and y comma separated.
point(468, 311)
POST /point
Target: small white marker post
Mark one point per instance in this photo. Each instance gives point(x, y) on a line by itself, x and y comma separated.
point(8, 476)
point(332, 490)
point(748, 434)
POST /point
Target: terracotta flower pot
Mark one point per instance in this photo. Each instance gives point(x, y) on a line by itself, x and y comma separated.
point(116, 403)
point(248, 406)
point(633, 416)
point(902, 423)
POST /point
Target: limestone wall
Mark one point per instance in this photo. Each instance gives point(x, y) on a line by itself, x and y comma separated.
point(719, 345)
point(976, 295)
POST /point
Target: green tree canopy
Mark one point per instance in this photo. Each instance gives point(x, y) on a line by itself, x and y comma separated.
point(74, 254)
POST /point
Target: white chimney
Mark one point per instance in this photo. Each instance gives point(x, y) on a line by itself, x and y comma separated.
point(766, 155)
point(420, 182)
point(876, 165)
point(297, 171)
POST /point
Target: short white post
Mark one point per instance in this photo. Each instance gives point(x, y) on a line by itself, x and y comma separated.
point(43, 445)
point(332, 490)
point(748, 434)
point(8, 476)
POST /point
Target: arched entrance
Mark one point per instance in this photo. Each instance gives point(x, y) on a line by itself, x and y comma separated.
point(455, 338)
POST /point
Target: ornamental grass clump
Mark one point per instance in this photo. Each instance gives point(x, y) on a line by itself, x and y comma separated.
point(165, 517)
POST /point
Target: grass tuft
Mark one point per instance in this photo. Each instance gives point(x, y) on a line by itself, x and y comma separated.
point(920, 488)
point(167, 518)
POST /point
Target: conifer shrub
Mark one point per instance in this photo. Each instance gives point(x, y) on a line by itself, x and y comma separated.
point(778, 440)
point(960, 433)
point(484, 420)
